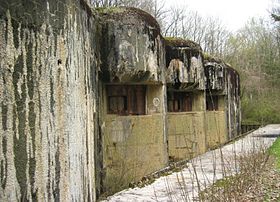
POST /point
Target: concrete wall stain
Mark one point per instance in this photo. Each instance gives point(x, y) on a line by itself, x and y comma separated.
point(47, 128)
point(57, 139)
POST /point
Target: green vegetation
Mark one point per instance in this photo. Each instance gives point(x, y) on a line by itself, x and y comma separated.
point(275, 151)
point(261, 110)
point(255, 52)
point(177, 41)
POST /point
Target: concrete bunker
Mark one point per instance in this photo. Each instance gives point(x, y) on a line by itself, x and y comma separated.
point(224, 82)
point(202, 99)
point(185, 99)
point(131, 46)
point(93, 100)
point(223, 93)
point(132, 84)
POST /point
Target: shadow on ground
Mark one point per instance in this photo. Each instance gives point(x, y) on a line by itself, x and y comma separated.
point(267, 135)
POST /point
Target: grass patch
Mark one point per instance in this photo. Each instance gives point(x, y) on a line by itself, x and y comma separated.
point(275, 151)
point(225, 182)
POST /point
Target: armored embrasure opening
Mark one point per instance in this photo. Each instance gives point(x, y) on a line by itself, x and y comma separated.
point(126, 99)
point(179, 101)
point(212, 102)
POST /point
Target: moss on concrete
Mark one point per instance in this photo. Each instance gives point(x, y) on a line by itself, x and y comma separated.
point(209, 58)
point(180, 42)
point(123, 14)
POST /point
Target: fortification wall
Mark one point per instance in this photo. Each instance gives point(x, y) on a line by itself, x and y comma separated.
point(47, 100)
point(132, 47)
point(84, 97)
point(223, 81)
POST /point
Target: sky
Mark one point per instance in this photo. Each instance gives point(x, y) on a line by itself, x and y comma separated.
point(233, 13)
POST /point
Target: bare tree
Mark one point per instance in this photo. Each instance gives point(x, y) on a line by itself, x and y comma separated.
point(159, 12)
point(215, 37)
point(210, 33)
point(173, 25)
point(143, 4)
point(105, 3)
point(154, 7)
point(275, 11)
point(193, 27)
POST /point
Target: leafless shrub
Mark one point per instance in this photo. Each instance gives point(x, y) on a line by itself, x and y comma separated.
point(231, 188)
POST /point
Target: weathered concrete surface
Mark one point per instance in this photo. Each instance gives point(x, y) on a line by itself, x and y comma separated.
point(132, 52)
point(182, 186)
point(131, 46)
point(131, 150)
point(184, 64)
point(47, 100)
point(56, 57)
point(188, 72)
point(223, 80)
point(186, 135)
point(134, 145)
point(194, 132)
point(233, 103)
point(215, 75)
point(216, 131)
